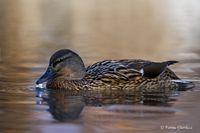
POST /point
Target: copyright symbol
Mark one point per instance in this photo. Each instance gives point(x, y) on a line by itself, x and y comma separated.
point(162, 127)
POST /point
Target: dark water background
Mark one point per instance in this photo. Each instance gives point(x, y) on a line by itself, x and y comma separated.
point(31, 31)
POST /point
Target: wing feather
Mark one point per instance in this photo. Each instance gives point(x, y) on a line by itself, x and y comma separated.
point(113, 72)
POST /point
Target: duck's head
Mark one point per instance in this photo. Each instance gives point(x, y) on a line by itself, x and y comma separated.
point(64, 63)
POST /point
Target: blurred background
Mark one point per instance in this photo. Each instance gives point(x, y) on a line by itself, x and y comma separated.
point(32, 30)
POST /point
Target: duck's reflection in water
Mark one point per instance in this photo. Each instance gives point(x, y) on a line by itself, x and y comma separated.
point(63, 105)
point(67, 105)
point(161, 97)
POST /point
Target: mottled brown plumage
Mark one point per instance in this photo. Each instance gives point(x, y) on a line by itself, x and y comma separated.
point(66, 71)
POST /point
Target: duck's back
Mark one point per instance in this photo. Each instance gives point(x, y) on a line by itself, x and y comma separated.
point(128, 72)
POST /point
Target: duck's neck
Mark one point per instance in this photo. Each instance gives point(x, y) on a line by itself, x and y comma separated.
point(62, 83)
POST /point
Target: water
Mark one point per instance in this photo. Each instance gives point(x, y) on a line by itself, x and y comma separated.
point(31, 31)
point(63, 111)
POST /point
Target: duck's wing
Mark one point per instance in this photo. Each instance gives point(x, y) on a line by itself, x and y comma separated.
point(113, 72)
point(121, 71)
point(152, 69)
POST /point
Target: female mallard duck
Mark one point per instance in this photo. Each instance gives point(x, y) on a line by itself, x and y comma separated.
point(66, 70)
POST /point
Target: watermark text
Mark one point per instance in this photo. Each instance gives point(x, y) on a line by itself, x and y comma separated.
point(179, 127)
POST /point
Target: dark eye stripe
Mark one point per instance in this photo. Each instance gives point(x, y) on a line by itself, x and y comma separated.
point(55, 63)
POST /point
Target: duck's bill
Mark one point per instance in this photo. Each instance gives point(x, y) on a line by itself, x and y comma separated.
point(47, 75)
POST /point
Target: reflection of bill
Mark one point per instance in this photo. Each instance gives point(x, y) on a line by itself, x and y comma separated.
point(39, 90)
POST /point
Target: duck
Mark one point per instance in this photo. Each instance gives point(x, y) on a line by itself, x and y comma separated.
point(66, 71)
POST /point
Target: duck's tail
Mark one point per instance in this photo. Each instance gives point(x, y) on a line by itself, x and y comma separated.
point(182, 81)
point(171, 62)
point(184, 85)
